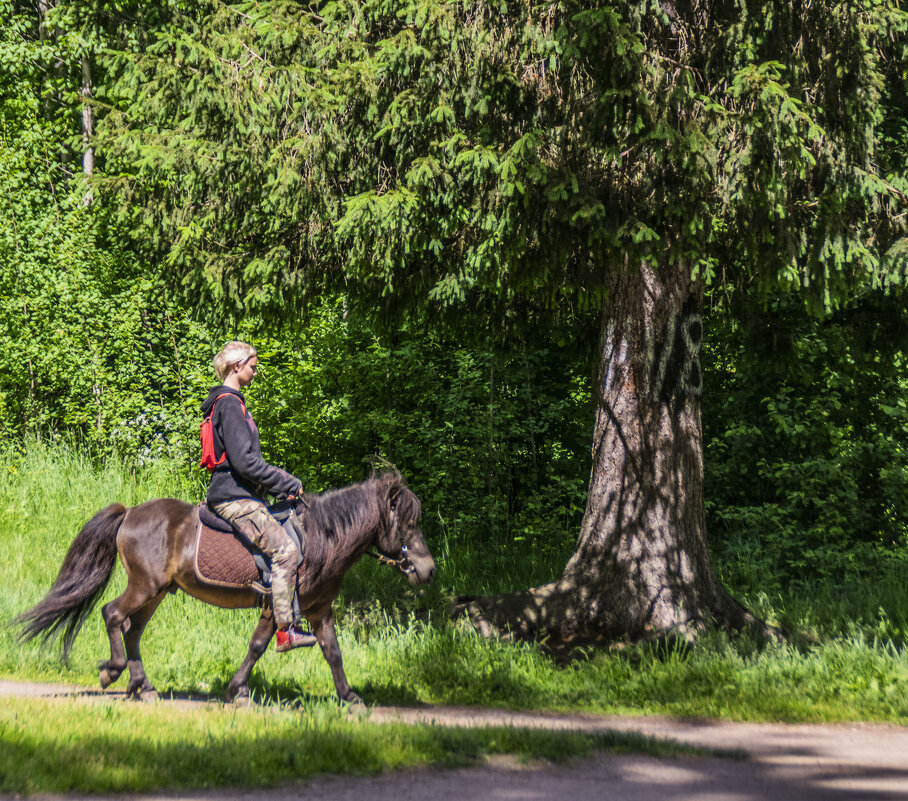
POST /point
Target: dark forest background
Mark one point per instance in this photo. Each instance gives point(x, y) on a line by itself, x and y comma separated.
point(805, 411)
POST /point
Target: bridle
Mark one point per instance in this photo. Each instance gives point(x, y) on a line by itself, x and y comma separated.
point(402, 563)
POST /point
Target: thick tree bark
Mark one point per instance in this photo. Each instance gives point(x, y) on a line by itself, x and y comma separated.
point(642, 567)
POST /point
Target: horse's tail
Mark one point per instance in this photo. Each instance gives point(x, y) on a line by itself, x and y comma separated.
point(82, 579)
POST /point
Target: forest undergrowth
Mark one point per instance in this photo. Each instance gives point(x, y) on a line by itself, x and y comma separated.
point(849, 660)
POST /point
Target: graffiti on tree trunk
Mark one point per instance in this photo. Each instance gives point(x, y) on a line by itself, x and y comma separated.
point(675, 372)
point(671, 366)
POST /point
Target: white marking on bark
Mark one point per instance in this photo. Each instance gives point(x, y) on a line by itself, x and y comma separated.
point(614, 360)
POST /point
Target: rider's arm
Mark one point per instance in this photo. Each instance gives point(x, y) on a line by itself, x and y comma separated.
point(244, 457)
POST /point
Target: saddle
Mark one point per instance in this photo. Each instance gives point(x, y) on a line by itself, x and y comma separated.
point(225, 558)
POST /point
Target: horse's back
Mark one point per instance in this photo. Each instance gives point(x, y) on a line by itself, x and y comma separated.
point(163, 506)
point(159, 532)
point(159, 512)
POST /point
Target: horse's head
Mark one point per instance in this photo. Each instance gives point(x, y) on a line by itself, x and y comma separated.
point(400, 540)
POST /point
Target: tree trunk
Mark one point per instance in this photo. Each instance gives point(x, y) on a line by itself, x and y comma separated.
point(641, 567)
point(88, 151)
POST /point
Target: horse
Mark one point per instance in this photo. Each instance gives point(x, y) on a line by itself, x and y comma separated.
point(156, 542)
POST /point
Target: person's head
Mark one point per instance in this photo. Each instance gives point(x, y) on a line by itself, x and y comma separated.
point(233, 357)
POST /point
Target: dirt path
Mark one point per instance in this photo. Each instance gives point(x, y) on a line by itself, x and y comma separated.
point(853, 762)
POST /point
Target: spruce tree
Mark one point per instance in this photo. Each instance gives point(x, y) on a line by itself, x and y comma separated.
point(505, 165)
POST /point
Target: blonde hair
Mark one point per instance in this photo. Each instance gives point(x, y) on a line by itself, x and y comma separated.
point(230, 355)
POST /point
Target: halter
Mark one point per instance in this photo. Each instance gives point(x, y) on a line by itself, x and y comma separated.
point(403, 564)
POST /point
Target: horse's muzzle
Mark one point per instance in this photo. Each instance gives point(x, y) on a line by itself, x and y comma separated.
point(421, 569)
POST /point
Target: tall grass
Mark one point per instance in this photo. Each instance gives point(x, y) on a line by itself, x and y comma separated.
point(399, 646)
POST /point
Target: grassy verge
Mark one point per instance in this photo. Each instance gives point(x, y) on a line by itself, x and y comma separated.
point(401, 649)
point(90, 747)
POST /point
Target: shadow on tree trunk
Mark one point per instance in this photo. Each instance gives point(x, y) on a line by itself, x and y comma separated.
point(641, 570)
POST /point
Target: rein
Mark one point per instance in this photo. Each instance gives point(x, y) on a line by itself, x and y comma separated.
point(402, 564)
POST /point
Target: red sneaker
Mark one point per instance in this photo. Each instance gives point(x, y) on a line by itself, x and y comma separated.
point(288, 639)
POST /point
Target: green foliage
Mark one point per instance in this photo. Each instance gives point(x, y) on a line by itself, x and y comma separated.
point(807, 107)
point(494, 443)
point(91, 347)
point(807, 472)
point(503, 160)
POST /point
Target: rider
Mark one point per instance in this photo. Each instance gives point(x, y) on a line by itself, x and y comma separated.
point(239, 484)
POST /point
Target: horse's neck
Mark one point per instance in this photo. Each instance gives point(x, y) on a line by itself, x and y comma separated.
point(349, 547)
point(339, 553)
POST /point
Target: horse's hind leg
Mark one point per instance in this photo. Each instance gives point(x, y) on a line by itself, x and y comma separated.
point(139, 685)
point(238, 689)
point(115, 613)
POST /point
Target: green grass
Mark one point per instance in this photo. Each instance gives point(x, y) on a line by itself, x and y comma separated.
point(91, 747)
point(400, 648)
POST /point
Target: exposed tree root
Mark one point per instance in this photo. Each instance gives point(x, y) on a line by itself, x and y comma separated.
point(524, 615)
point(733, 615)
point(549, 616)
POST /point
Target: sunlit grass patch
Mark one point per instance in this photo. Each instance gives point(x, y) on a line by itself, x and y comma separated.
point(101, 747)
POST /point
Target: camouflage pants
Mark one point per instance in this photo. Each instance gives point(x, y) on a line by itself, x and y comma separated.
point(252, 519)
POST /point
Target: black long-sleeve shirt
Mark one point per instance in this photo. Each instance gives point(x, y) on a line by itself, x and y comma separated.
point(244, 473)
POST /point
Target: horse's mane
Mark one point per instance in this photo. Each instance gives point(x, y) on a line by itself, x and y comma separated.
point(337, 521)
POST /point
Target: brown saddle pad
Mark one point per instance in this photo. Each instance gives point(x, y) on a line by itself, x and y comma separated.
point(224, 560)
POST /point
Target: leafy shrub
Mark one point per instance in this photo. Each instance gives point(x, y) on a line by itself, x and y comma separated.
point(804, 429)
point(494, 443)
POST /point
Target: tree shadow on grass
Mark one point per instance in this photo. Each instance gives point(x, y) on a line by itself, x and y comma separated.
point(111, 758)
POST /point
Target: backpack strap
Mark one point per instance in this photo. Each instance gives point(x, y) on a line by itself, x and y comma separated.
point(211, 416)
point(225, 395)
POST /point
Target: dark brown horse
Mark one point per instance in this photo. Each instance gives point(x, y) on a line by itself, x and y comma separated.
point(156, 542)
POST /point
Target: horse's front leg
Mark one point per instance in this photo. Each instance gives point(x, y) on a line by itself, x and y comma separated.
point(327, 638)
point(238, 689)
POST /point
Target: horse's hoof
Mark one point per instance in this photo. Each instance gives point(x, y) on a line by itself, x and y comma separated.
point(238, 696)
point(106, 678)
point(148, 696)
point(353, 699)
point(356, 710)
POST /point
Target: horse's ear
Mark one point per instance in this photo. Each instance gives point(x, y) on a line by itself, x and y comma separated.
point(396, 489)
point(395, 486)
